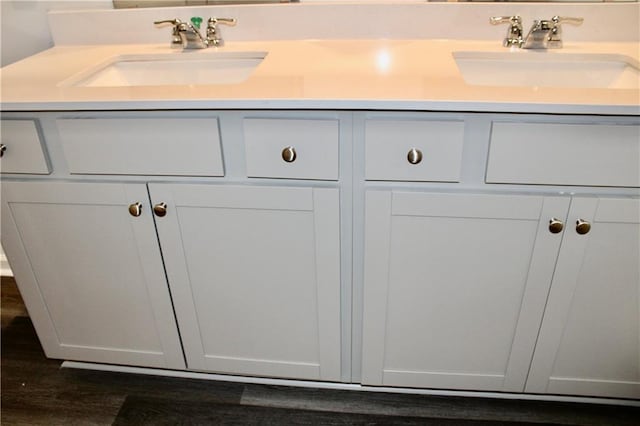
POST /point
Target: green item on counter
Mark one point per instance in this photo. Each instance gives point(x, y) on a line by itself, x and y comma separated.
point(196, 21)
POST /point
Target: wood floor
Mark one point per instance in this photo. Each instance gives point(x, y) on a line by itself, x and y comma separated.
point(36, 391)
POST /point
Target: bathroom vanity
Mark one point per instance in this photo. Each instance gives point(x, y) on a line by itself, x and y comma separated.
point(352, 212)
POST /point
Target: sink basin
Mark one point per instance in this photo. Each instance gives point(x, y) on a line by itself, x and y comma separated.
point(545, 69)
point(170, 69)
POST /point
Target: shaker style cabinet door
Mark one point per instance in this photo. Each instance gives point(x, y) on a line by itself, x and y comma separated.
point(255, 277)
point(88, 266)
point(455, 287)
point(589, 342)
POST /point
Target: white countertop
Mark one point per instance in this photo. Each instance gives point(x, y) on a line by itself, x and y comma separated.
point(315, 74)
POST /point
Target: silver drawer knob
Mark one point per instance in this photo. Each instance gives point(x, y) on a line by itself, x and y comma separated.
point(414, 156)
point(555, 226)
point(3, 148)
point(135, 209)
point(160, 209)
point(582, 227)
point(289, 154)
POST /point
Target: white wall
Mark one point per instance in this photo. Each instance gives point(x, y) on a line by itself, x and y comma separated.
point(25, 30)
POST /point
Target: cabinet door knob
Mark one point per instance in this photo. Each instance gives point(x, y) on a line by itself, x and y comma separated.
point(414, 156)
point(289, 154)
point(3, 148)
point(582, 226)
point(135, 209)
point(555, 226)
point(160, 209)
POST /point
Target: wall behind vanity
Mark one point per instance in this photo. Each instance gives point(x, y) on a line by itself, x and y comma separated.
point(25, 29)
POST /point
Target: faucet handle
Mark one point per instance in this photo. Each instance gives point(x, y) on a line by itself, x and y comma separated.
point(514, 33)
point(175, 31)
point(168, 21)
point(227, 21)
point(555, 35)
point(567, 20)
point(213, 36)
point(495, 20)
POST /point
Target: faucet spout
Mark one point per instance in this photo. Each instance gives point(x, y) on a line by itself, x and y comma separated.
point(539, 35)
point(191, 37)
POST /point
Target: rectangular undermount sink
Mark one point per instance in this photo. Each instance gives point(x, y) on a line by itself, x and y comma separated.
point(183, 68)
point(548, 69)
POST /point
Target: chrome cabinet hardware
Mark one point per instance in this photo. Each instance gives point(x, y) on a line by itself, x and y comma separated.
point(135, 209)
point(187, 34)
point(3, 148)
point(160, 209)
point(414, 156)
point(555, 226)
point(289, 154)
point(582, 226)
point(514, 32)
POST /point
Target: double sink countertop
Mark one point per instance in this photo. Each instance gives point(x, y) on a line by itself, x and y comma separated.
point(316, 74)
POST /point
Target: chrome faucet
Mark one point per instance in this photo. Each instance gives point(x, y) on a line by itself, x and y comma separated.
point(188, 35)
point(544, 34)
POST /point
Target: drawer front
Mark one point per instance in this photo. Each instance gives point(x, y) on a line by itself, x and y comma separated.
point(413, 150)
point(292, 149)
point(564, 154)
point(142, 146)
point(22, 149)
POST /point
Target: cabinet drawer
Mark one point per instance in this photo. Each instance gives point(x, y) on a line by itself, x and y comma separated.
point(22, 150)
point(564, 154)
point(312, 147)
point(142, 146)
point(436, 148)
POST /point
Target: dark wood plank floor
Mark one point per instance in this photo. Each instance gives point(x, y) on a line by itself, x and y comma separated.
point(36, 391)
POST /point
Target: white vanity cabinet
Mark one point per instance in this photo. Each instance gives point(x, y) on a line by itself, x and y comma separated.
point(464, 251)
point(91, 272)
point(508, 289)
point(249, 273)
point(255, 277)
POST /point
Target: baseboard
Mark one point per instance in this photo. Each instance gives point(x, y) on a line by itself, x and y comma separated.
point(341, 386)
point(5, 269)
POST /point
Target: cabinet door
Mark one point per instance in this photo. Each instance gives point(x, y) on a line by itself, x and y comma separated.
point(455, 287)
point(589, 342)
point(255, 277)
point(91, 273)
